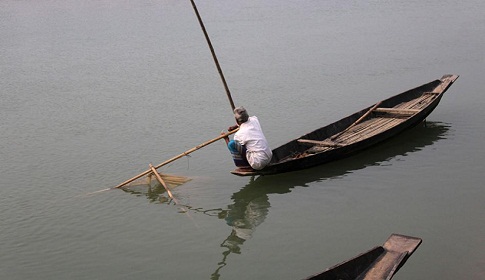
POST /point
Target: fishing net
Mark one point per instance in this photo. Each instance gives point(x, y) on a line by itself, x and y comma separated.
point(172, 181)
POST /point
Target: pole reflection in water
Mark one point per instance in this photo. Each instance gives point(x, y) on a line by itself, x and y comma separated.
point(251, 204)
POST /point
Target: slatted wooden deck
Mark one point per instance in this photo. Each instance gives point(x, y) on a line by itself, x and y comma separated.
point(381, 119)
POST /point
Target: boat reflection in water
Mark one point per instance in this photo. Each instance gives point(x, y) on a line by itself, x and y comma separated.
point(251, 204)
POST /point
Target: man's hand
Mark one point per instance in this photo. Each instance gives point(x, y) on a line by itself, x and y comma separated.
point(225, 138)
point(231, 128)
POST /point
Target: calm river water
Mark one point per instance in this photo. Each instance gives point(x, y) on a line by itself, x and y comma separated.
point(94, 91)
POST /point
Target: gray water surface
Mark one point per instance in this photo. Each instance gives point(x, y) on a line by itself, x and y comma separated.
point(94, 91)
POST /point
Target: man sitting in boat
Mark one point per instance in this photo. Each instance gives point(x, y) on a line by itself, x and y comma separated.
point(249, 149)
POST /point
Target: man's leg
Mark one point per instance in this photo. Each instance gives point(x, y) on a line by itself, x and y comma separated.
point(238, 153)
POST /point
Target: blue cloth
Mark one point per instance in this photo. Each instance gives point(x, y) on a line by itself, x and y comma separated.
point(238, 153)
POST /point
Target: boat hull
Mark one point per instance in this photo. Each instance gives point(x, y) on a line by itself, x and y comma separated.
point(381, 262)
point(404, 111)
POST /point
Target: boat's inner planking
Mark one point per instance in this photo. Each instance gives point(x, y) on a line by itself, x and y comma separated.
point(381, 119)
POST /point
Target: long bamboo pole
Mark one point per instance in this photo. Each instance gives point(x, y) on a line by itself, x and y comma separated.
point(213, 55)
point(177, 157)
point(159, 178)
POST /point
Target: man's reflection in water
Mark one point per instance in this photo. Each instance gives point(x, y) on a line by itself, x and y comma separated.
point(244, 216)
point(243, 223)
point(250, 208)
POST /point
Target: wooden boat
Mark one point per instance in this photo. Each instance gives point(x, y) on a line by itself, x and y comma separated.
point(381, 262)
point(358, 131)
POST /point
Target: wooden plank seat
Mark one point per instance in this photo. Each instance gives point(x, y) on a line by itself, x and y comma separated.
point(324, 143)
point(397, 111)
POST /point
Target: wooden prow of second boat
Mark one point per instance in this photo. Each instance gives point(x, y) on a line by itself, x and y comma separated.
point(381, 262)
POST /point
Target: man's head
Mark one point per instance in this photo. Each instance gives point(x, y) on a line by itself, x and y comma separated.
point(241, 115)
